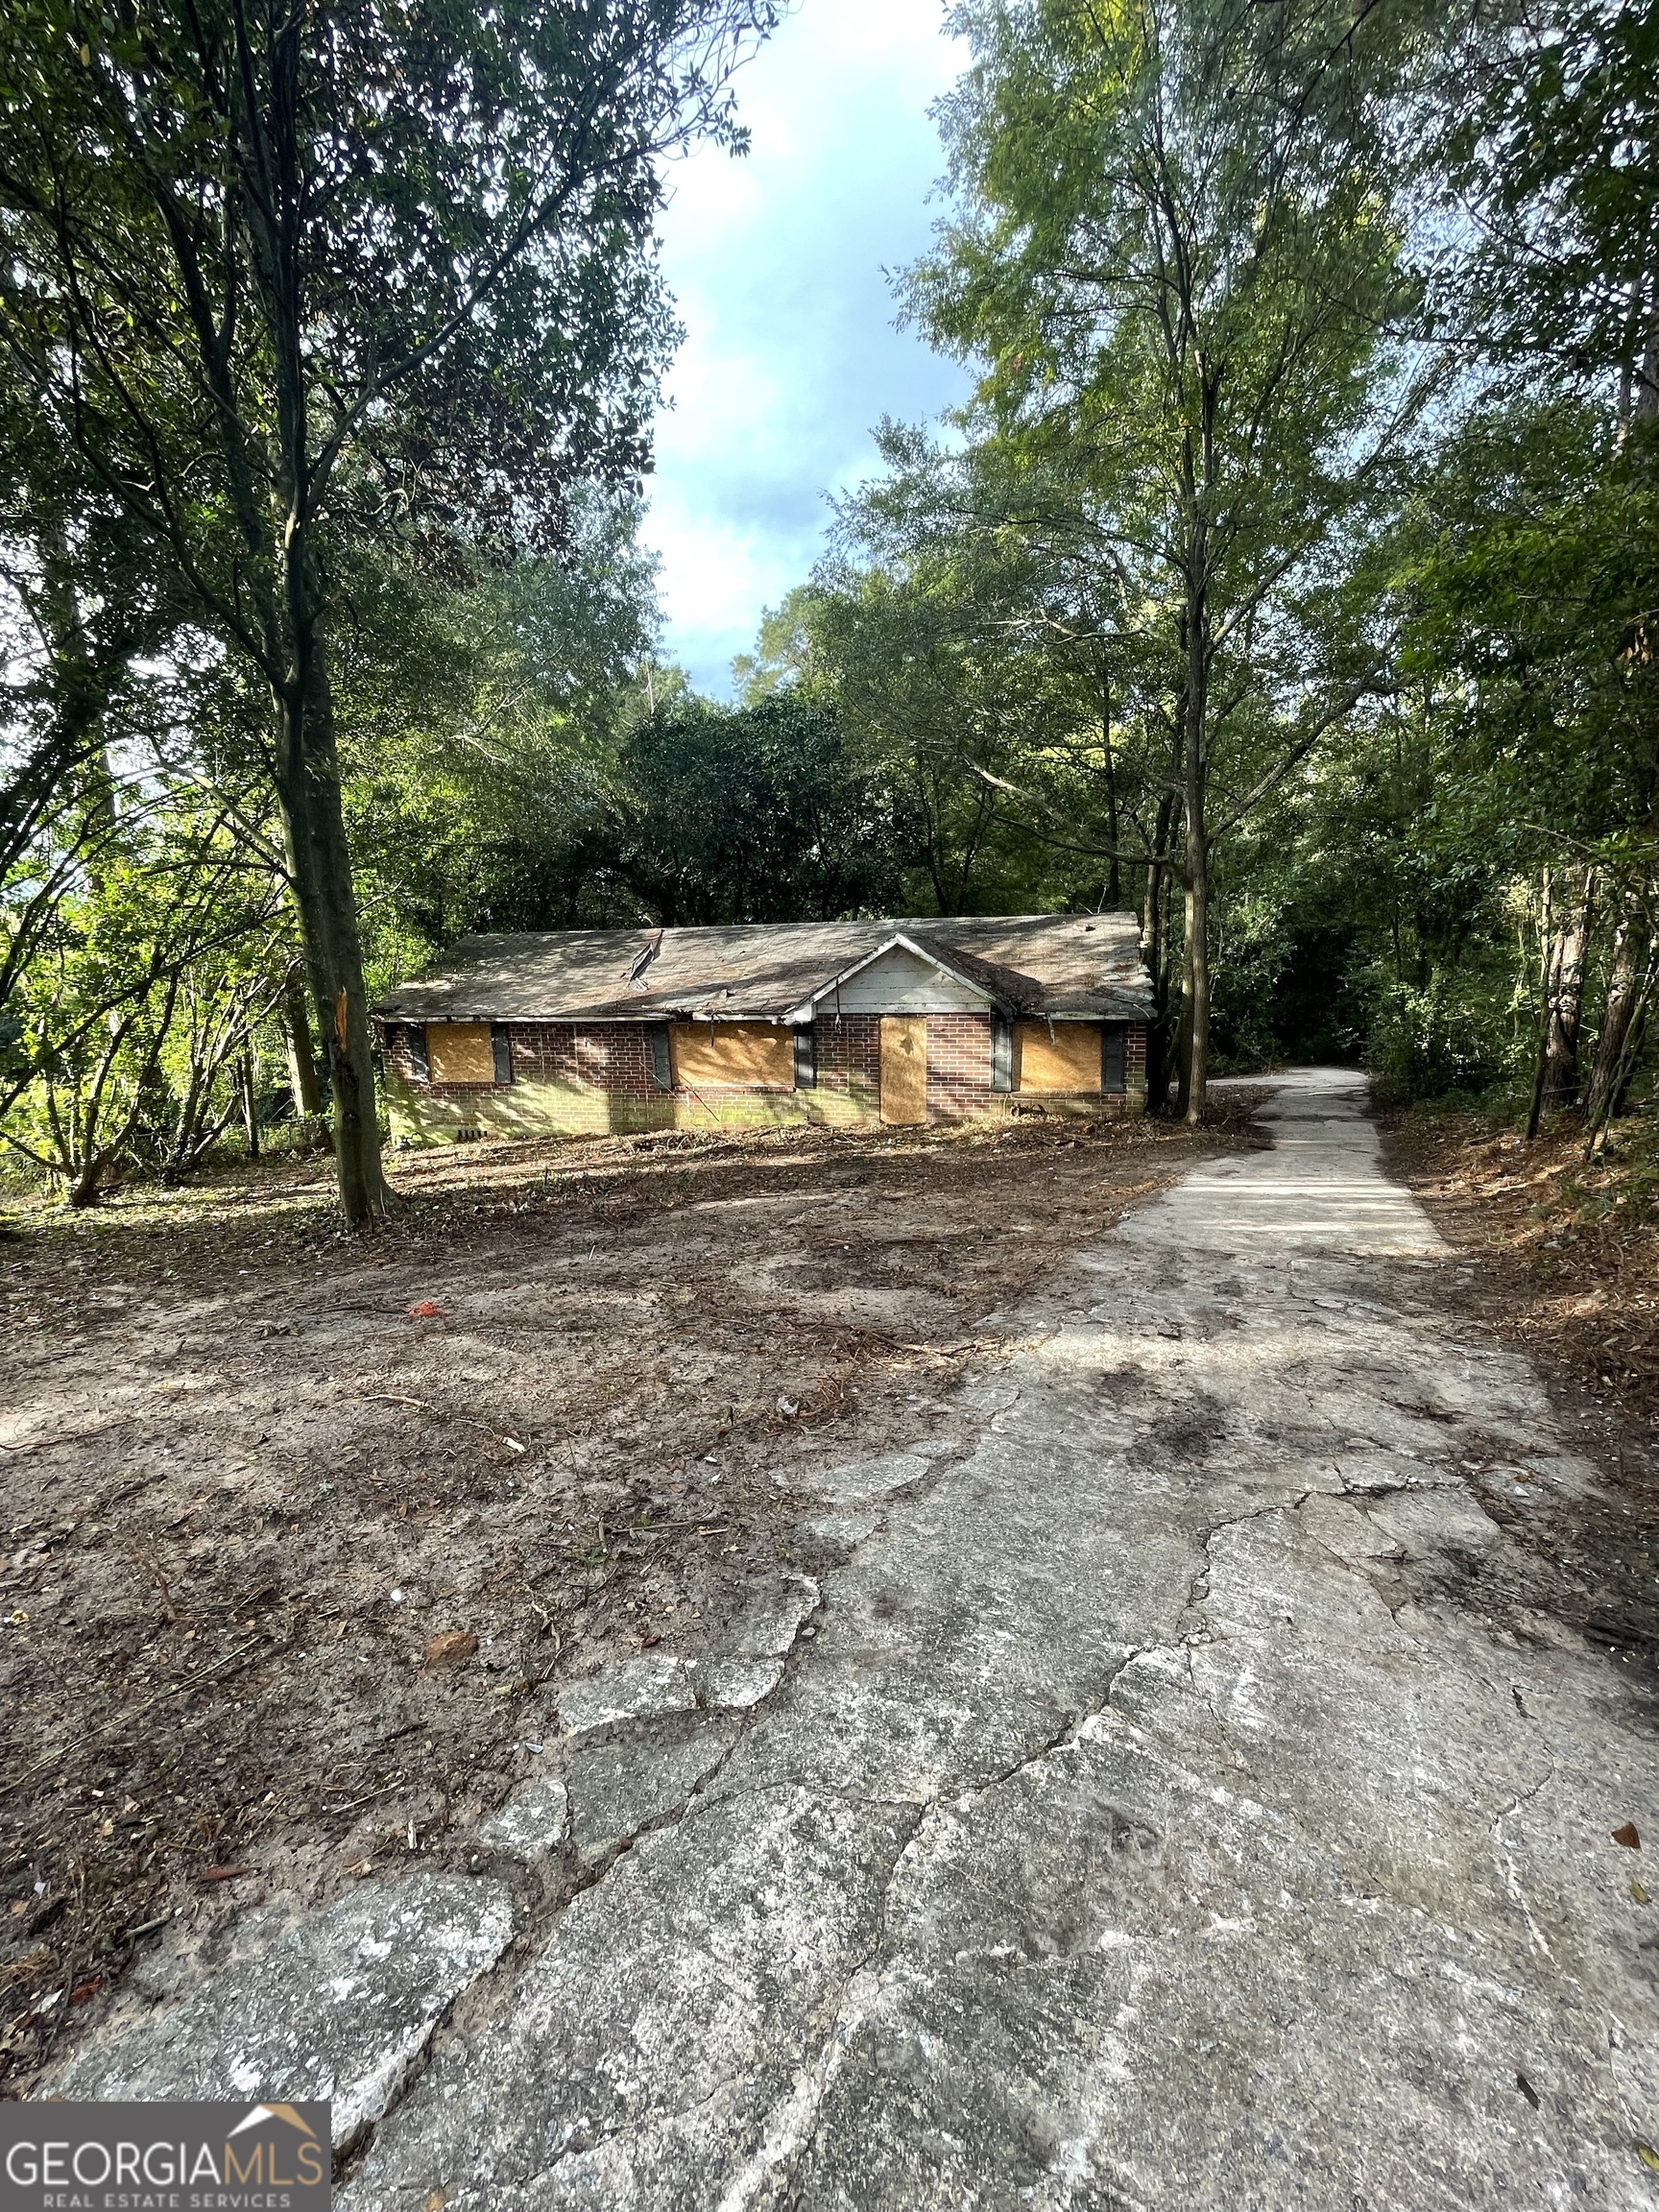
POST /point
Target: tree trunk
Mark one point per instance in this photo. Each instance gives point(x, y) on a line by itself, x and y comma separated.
point(1547, 943)
point(314, 827)
point(1615, 1048)
point(307, 758)
point(250, 1104)
point(1195, 985)
point(1155, 945)
point(1565, 998)
point(1625, 1066)
point(1114, 878)
point(86, 1188)
point(1183, 1023)
point(302, 1052)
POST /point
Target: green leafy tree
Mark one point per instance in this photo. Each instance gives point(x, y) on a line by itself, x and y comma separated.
point(1551, 150)
point(85, 629)
point(1544, 589)
point(1530, 568)
point(977, 622)
point(757, 813)
point(1177, 253)
point(291, 282)
point(153, 969)
point(482, 729)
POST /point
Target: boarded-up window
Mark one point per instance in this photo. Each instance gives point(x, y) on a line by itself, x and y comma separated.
point(1064, 1057)
point(1114, 1055)
point(732, 1056)
point(460, 1052)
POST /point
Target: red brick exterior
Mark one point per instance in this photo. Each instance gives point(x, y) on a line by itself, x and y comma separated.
point(605, 1067)
point(609, 1056)
point(1135, 1058)
point(959, 1066)
point(849, 1051)
point(396, 1040)
point(959, 1069)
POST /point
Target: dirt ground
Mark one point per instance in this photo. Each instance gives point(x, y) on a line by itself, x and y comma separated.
point(1567, 1267)
point(302, 1532)
point(1569, 1250)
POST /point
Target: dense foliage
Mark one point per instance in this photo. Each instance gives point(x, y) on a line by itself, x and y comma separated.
point(291, 290)
point(1290, 575)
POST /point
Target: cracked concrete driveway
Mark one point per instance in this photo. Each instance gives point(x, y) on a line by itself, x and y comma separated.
point(1152, 1813)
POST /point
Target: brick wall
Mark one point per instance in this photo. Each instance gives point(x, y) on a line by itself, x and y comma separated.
point(959, 1073)
point(595, 1078)
point(959, 1066)
point(1134, 1061)
point(395, 1039)
point(566, 1080)
point(848, 1052)
point(609, 1056)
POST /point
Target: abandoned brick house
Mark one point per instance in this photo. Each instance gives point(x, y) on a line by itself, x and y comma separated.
point(583, 1031)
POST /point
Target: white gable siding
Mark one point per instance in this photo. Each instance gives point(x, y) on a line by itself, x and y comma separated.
point(901, 983)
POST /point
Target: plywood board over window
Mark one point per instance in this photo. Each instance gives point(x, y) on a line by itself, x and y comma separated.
point(732, 1056)
point(460, 1052)
point(1063, 1057)
point(905, 1069)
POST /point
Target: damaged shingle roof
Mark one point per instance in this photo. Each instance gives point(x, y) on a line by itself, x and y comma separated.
point(1027, 964)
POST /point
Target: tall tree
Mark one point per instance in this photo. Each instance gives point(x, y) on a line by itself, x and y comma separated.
point(81, 614)
point(481, 738)
point(1177, 253)
point(756, 814)
point(1552, 151)
point(980, 612)
point(291, 278)
point(1551, 157)
point(1529, 572)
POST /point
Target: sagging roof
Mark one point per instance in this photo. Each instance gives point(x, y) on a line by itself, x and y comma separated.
point(1076, 966)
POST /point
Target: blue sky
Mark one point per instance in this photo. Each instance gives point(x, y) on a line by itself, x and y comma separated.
point(790, 357)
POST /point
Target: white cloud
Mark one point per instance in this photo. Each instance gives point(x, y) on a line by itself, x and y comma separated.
point(790, 356)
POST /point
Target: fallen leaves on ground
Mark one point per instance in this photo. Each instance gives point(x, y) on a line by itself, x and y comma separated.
point(279, 1447)
point(1569, 1247)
